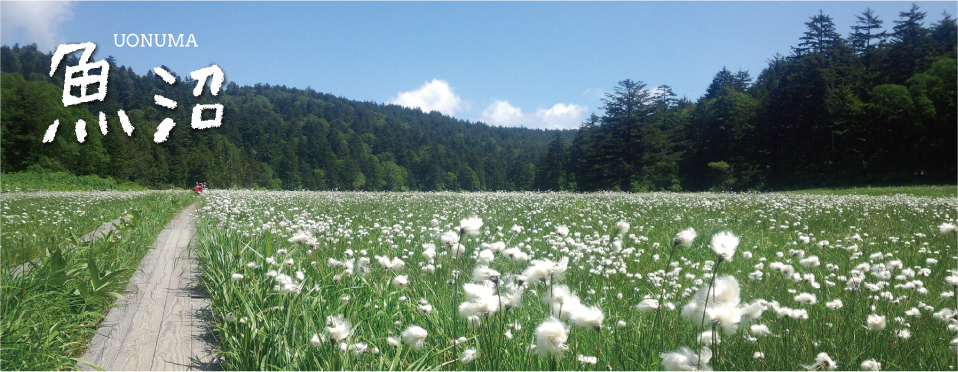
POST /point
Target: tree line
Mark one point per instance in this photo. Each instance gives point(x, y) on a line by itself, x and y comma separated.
point(875, 107)
point(271, 137)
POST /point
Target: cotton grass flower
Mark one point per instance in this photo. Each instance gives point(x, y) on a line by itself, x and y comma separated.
point(359, 348)
point(415, 336)
point(392, 341)
point(806, 298)
point(301, 238)
point(811, 261)
point(823, 361)
point(540, 270)
point(684, 359)
point(470, 226)
point(947, 228)
point(726, 292)
point(315, 341)
point(485, 257)
point(338, 327)
point(875, 322)
point(871, 365)
point(623, 227)
point(728, 315)
point(685, 238)
point(759, 330)
point(752, 311)
point(587, 317)
point(563, 230)
point(457, 250)
point(648, 304)
point(401, 281)
point(512, 298)
point(236, 277)
point(551, 336)
point(724, 244)
point(483, 273)
point(477, 292)
point(483, 306)
point(706, 338)
point(587, 359)
point(562, 300)
point(468, 355)
point(834, 304)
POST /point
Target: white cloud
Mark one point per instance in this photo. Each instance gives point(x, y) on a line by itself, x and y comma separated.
point(435, 95)
point(34, 22)
point(560, 116)
point(501, 113)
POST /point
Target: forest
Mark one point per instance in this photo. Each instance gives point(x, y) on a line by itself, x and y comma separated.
point(875, 107)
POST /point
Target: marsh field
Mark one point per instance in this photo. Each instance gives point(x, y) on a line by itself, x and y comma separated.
point(525, 281)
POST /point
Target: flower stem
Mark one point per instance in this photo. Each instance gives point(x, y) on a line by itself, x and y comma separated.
point(707, 295)
point(658, 310)
point(598, 348)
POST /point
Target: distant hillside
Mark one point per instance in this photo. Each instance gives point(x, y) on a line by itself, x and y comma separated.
point(272, 136)
point(875, 107)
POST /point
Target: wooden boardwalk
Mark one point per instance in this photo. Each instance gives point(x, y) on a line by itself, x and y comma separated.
point(160, 326)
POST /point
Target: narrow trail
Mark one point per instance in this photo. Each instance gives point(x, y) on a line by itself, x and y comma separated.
point(160, 326)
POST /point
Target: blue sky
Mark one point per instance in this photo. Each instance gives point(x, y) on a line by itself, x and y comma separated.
point(533, 64)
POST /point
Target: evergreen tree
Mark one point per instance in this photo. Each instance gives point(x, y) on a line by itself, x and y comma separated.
point(550, 170)
point(867, 34)
point(820, 36)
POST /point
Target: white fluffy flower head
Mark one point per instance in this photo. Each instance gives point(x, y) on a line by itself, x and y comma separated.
point(685, 237)
point(338, 327)
point(724, 245)
point(871, 365)
point(947, 228)
point(415, 336)
point(471, 226)
point(875, 322)
point(684, 359)
point(551, 336)
point(823, 361)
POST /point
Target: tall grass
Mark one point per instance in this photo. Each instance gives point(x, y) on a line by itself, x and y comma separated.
point(48, 317)
point(272, 329)
point(35, 221)
point(61, 181)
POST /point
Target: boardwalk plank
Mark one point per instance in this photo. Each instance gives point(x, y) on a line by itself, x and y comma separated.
point(158, 327)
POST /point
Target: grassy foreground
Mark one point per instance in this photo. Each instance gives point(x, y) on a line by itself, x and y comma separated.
point(50, 313)
point(861, 279)
point(61, 181)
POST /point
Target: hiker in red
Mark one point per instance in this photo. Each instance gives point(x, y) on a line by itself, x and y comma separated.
point(199, 187)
